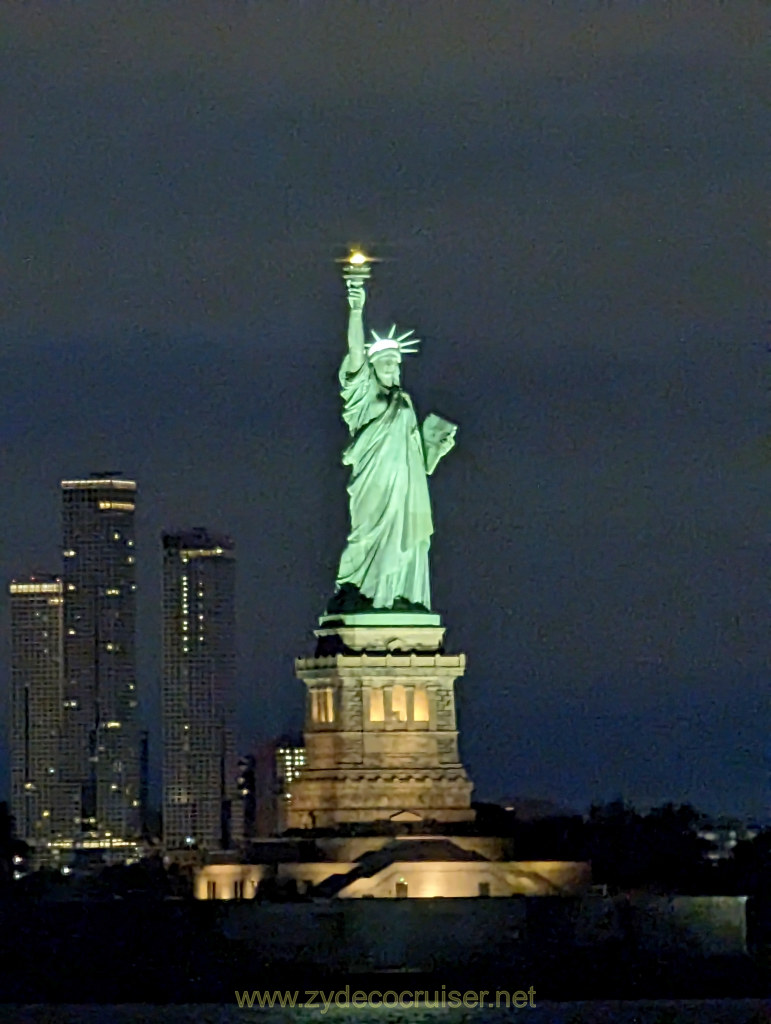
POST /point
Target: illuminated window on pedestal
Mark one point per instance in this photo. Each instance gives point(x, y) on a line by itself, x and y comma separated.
point(399, 703)
point(420, 713)
point(376, 706)
point(322, 705)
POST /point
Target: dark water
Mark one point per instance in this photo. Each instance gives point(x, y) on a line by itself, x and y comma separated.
point(712, 1011)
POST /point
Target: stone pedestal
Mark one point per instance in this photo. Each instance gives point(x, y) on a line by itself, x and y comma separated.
point(380, 729)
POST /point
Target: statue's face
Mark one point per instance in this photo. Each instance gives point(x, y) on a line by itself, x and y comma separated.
point(388, 370)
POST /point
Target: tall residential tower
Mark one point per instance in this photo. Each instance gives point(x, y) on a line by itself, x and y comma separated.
point(199, 760)
point(100, 739)
point(37, 628)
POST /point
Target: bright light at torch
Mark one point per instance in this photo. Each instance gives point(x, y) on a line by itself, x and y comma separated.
point(356, 268)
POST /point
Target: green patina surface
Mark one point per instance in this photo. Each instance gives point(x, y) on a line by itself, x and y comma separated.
point(385, 561)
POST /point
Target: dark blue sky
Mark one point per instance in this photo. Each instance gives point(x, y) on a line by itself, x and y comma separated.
point(571, 199)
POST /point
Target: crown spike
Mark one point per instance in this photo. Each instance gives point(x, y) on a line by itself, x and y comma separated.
point(404, 343)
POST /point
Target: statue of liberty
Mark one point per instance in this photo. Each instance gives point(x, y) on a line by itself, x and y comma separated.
point(385, 562)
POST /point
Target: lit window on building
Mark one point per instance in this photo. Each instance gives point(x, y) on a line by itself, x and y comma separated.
point(376, 706)
point(420, 707)
point(399, 703)
point(322, 705)
point(290, 762)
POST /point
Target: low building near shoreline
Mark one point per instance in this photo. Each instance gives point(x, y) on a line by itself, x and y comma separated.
point(386, 867)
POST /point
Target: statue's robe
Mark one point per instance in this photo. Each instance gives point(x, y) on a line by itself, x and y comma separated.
point(386, 557)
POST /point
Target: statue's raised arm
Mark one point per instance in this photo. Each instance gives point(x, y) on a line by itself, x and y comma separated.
point(385, 562)
point(356, 351)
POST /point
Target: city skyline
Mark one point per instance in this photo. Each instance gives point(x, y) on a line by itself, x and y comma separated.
point(74, 736)
point(570, 222)
point(78, 754)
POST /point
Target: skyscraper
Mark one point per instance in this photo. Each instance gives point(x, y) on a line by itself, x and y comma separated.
point(37, 628)
point(247, 792)
point(289, 763)
point(100, 741)
point(199, 759)
point(277, 765)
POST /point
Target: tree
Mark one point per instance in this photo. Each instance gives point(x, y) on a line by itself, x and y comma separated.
point(660, 850)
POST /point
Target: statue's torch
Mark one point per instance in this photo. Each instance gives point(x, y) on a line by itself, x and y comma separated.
point(356, 269)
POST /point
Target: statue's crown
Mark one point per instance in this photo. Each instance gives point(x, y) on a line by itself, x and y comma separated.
point(390, 343)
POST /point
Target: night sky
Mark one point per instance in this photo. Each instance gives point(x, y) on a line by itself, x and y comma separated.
point(569, 198)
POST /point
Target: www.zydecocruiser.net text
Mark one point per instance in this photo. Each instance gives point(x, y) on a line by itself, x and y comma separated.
point(345, 998)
